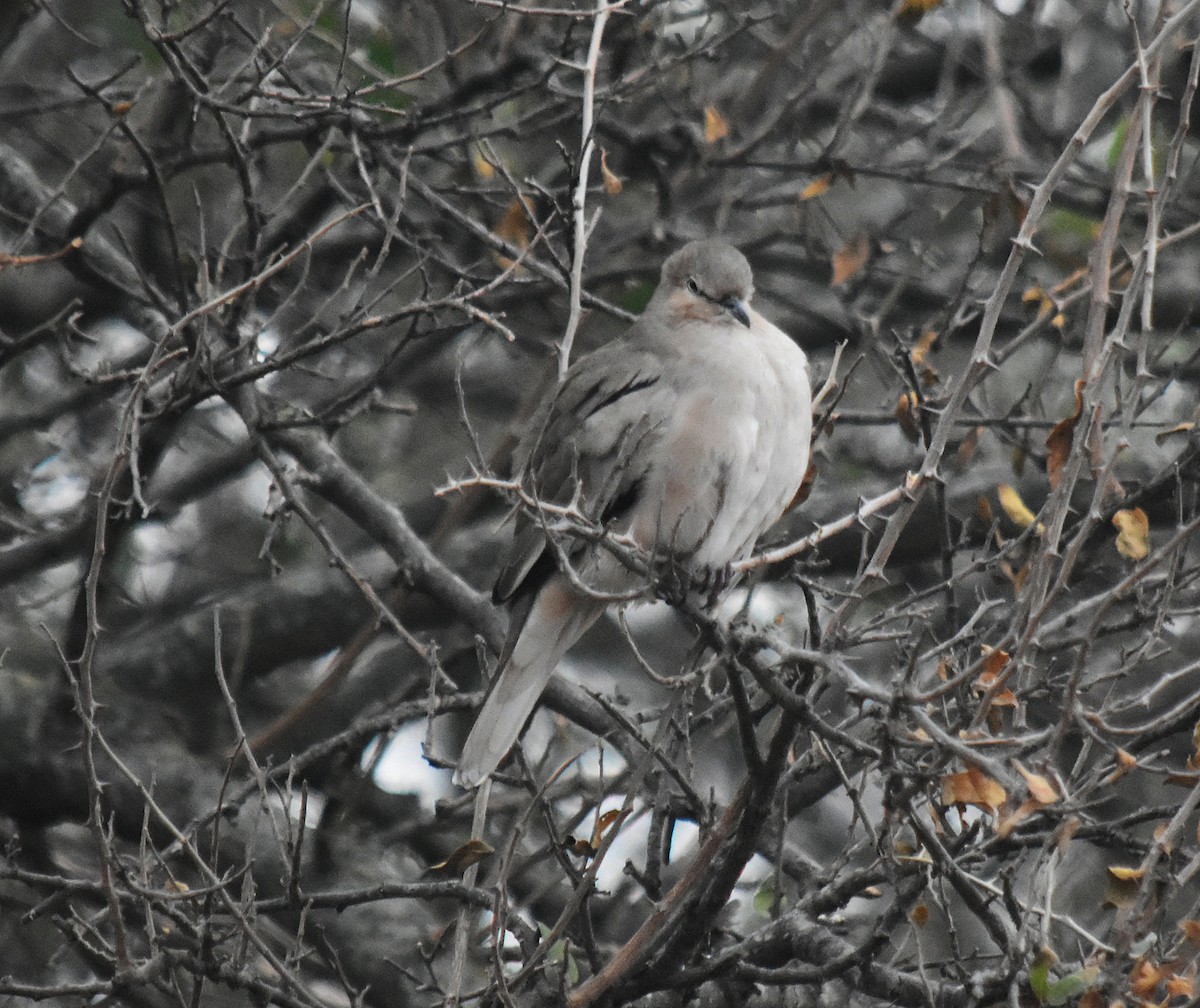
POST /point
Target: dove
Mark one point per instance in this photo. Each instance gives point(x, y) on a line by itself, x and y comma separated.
point(689, 435)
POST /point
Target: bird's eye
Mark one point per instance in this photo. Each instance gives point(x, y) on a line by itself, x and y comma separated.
point(692, 285)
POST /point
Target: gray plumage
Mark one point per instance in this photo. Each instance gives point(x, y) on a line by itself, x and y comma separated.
point(690, 433)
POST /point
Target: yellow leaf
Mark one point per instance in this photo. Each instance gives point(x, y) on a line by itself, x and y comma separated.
point(817, 187)
point(1125, 874)
point(849, 260)
point(483, 167)
point(716, 126)
point(1133, 531)
point(612, 184)
point(1015, 508)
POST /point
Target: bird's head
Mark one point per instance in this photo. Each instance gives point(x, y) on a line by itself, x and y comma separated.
point(708, 281)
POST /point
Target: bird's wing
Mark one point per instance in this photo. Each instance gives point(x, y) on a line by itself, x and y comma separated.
point(594, 442)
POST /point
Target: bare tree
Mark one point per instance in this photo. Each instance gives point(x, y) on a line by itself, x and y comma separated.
point(280, 282)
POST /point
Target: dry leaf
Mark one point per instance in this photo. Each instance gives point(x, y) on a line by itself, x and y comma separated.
point(983, 509)
point(716, 126)
point(1017, 577)
point(1060, 439)
point(1125, 874)
point(911, 11)
point(1040, 789)
point(1015, 508)
point(906, 416)
point(1003, 214)
point(973, 787)
point(805, 488)
point(1145, 977)
point(849, 260)
point(612, 184)
point(817, 187)
point(990, 678)
point(1066, 833)
point(470, 853)
point(1182, 428)
point(1133, 533)
point(1191, 930)
point(921, 349)
point(483, 167)
point(919, 915)
point(1036, 293)
point(1182, 984)
point(1014, 819)
point(515, 227)
point(589, 848)
point(1125, 763)
point(965, 451)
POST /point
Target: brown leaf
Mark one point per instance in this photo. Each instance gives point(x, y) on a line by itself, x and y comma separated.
point(1040, 789)
point(919, 915)
point(1191, 930)
point(991, 678)
point(1003, 214)
point(1125, 763)
point(716, 126)
point(921, 349)
point(589, 848)
point(911, 11)
point(966, 449)
point(515, 227)
point(849, 260)
point(1182, 428)
point(973, 787)
point(1060, 439)
point(1133, 533)
point(906, 416)
point(806, 485)
point(1014, 819)
point(465, 855)
point(1145, 977)
point(1182, 984)
point(612, 184)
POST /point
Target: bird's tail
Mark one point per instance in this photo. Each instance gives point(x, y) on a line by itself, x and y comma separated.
point(559, 616)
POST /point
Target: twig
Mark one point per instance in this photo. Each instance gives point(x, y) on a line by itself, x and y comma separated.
point(579, 197)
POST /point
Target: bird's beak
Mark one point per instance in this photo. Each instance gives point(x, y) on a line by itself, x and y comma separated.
point(738, 309)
